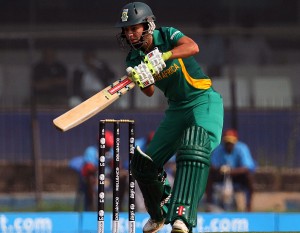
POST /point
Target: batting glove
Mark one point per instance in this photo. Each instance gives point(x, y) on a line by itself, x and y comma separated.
point(141, 75)
point(155, 60)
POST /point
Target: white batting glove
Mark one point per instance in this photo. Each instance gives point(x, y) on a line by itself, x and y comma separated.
point(155, 62)
point(141, 75)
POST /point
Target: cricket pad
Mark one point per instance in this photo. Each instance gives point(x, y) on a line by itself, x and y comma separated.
point(191, 176)
point(153, 184)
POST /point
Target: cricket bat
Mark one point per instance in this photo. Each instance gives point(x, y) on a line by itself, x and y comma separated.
point(94, 104)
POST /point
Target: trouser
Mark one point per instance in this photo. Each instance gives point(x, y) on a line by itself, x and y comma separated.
point(204, 113)
point(207, 113)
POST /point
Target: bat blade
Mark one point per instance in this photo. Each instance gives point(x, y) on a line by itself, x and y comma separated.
point(93, 105)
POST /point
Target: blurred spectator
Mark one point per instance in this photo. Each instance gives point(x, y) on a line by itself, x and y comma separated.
point(231, 159)
point(90, 77)
point(50, 81)
point(249, 48)
point(212, 48)
point(87, 168)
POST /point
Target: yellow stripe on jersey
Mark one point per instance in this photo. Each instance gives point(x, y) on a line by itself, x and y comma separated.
point(197, 83)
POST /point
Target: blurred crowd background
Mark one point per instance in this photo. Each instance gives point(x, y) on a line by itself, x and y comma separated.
point(251, 50)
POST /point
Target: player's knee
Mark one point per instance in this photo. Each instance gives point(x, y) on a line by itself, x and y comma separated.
point(195, 145)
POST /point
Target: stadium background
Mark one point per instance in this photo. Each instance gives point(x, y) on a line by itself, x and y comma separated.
point(267, 117)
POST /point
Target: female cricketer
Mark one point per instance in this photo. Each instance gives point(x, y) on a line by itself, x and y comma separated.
point(192, 126)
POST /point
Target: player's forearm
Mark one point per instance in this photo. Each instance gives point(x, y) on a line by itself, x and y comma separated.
point(183, 51)
point(148, 91)
point(186, 47)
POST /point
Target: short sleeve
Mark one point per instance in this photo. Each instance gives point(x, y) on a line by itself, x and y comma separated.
point(246, 158)
point(174, 35)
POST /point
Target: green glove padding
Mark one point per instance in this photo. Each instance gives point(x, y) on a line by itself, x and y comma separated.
point(141, 75)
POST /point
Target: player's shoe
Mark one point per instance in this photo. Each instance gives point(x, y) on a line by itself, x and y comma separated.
point(179, 227)
point(152, 226)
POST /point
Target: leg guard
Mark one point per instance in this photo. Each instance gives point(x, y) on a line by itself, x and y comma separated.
point(153, 184)
point(191, 176)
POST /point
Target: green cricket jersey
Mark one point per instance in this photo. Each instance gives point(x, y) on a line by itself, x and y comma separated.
point(191, 98)
point(183, 79)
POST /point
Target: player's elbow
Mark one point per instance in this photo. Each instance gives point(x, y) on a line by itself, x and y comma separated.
point(195, 48)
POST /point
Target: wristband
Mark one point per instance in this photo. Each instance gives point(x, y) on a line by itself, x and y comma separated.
point(166, 56)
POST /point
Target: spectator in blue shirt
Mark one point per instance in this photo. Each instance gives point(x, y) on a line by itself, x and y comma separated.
point(232, 157)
